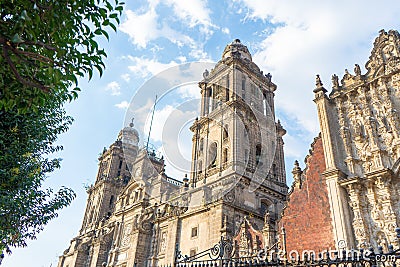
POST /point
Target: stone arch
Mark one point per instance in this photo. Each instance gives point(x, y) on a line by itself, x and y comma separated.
point(266, 204)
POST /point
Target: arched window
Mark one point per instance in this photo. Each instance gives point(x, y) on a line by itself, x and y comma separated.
point(227, 88)
point(200, 166)
point(264, 105)
point(91, 215)
point(243, 88)
point(201, 146)
point(225, 155)
point(110, 205)
point(212, 155)
point(225, 132)
point(258, 153)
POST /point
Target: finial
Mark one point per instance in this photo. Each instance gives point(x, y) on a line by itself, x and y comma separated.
point(297, 172)
point(318, 82)
point(319, 85)
point(296, 168)
point(131, 124)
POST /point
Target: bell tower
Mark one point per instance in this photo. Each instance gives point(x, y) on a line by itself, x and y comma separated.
point(113, 173)
point(237, 153)
point(236, 131)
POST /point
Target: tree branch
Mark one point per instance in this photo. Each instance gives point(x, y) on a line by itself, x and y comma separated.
point(18, 76)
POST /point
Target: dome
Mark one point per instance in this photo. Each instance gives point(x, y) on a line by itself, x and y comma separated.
point(236, 48)
point(129, 135)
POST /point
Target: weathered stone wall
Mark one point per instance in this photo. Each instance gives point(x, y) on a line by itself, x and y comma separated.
point(307, 216)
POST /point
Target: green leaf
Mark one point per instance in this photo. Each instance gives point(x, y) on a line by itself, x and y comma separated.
point(16, 38)
point(113, 26)
point(105, 34)
point(100, 69)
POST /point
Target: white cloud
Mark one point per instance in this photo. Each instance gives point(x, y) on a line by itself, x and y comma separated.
point(199, 54)
point(141, 28)
point(123, 105)
point(144, 67)
point(194, 12)
point(145, 27)
point(182, 59)
point(314, 37)
point(114, 88)
point(189, 91)
point(170, 128)
point(126, 77)
point(225, 30)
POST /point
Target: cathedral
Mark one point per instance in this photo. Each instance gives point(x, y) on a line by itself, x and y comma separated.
point(137, 214)
point(346, 197)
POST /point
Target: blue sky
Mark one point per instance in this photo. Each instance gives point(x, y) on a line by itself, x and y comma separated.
point(293, 40)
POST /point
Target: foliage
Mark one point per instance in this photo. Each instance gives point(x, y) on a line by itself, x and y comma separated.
point(25, 140)
point(45, 46)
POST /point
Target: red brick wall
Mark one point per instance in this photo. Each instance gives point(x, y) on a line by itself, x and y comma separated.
point(307, 217)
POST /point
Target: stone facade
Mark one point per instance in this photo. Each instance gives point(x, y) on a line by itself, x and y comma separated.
point(360, 127)
point(236, 189)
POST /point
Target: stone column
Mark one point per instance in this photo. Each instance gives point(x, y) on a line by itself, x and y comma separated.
point(336, 194)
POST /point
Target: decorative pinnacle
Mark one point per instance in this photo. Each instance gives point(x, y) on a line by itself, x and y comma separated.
point(319, 85)
point(296, 168)
point(297, 172)
point(131, 124)
point(318, 82)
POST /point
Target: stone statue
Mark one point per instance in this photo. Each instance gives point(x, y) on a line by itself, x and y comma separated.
point(267, 218)
point(268, 76)
point(205, 74)
point(335, 81)
point(357, 70)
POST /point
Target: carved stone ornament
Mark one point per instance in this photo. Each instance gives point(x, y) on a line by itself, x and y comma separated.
point(248, 241)
point(126, 236)
point(384, 58)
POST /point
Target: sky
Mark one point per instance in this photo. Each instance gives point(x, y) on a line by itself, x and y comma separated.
point(293, 40)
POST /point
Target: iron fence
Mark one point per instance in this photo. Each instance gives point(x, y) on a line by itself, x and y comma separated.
point(221, 255)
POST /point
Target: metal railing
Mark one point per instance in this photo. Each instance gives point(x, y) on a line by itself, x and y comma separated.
point(221, 255)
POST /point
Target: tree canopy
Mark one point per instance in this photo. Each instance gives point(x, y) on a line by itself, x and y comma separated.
point(46, 46)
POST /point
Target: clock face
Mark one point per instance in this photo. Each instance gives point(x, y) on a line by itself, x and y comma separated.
point(138, 172)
